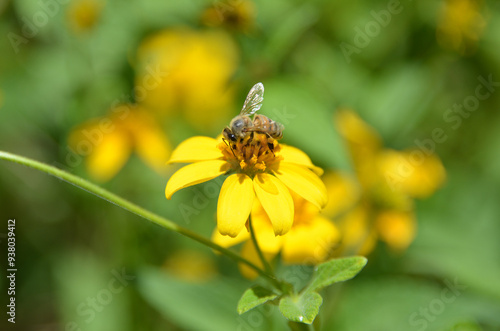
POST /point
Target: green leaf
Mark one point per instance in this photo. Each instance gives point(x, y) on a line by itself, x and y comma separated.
point(301, 308)
point(465, 326)
point(409, 303)
point(336, 270)
point(208, 306)
point(296, 326)
point(254, 297)
point(285, 102)
point(290, 28)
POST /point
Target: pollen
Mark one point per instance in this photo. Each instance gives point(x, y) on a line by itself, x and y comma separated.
point(255, 153)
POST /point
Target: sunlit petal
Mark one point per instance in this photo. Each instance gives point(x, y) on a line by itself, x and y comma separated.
point(264, 232)
point(296, 156)
point(412, 172)
point(343, 192)
point(152, 145)
point(276, 201)
point(356, 233)
point(356, 131)
point(196, 149)
point(109, 155)
point(396, 228)
point(193, 174)
point(303, 182)
point(310, 242)
point(191, 265)
point(226, 241)
point(363, 143)
point(235, 203)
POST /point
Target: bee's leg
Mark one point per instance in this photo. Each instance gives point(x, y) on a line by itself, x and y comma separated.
point(271, 148)
point(229, 145)
point(251, 137)
point(270, 145)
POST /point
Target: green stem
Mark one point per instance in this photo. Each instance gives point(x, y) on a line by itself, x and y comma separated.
point(133, 208)
point(267, 266)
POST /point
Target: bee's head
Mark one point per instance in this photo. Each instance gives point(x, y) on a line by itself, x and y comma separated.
point(238, 124)
point(228, 134)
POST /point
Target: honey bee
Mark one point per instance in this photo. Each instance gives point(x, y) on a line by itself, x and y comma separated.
point(242, 124)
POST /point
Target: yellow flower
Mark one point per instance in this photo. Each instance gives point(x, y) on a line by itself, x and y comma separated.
point(309, 241)
point(108, 142)
point(461, 24)
point(259, 169)
point(181, 70)
point(191, 266)
point(237, 15)
point(377, 203)
point(82, 15)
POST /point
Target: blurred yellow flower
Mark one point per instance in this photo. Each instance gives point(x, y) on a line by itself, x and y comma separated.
point(187, 71)
point(309, 241)
point(260, 170)
point(236, 15)
point(191, 266)
point(108, 142)
point(82, 15)
point(461, 24)
point(377, 203)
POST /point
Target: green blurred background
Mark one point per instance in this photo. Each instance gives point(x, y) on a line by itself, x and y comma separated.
point(86, 264)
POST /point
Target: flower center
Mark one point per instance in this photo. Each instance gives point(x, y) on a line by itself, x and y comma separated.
point(252, 154)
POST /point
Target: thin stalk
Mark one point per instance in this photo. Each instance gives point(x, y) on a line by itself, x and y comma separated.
point(133, 208)
point(267, 266)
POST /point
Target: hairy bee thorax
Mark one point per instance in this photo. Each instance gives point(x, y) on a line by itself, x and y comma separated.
point(254, 153)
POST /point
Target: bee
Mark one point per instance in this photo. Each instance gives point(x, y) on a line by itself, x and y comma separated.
point(242, 124)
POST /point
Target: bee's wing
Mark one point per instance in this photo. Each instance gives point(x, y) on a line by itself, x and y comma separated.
point(254, 99)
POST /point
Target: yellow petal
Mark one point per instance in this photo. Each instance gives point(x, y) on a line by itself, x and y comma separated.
point(363, 143)
point(84, 14)
point(264, 232)
point(152, 145)
point(276, 201)
point(296, 156)
point(226, 241)
point(343, 193)
point(303, 182)
point(196, 149)
point(199, 65)
point(191, 265)
point(368, 245)
point(396, 228)
point(248, 252)
point(235, 203)
point(109, 155)
point(356, 232)
point(193, 174)
point(356, 131)
point(310, 242)
point(412, 172)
